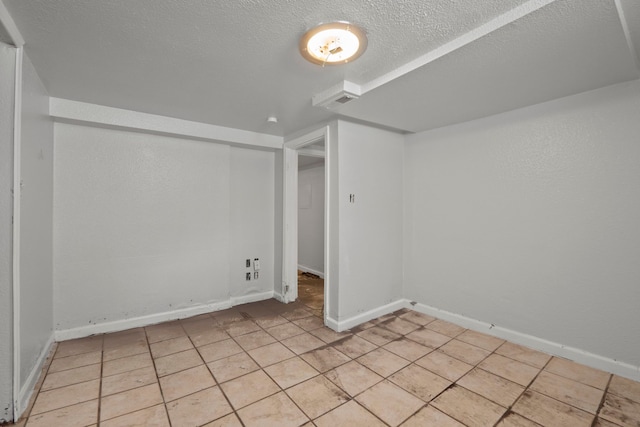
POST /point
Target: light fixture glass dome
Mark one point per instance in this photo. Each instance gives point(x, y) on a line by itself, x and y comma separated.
point(333, 43)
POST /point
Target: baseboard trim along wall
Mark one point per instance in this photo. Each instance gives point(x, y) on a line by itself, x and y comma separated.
point(137, 322)
point(353, 321)
point(580, 356)
point(311, 270)
point(27, 389)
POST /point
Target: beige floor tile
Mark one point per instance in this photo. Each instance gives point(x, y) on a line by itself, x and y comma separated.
point(66, 396)
point(177, 362)
point(291, 372)
point(515, 420)
point(79, 346)
point(174, 345)
point(277, 410)
point(309, 323)
point(550, 412)
point(241, 328)
point(444, 365)
point(284, 331)
point(328, 335)
point(71, 376)
point(302, 343)
point(350, 414)
point(270, 354)
point(254, 340)
point(155, 416)
point(129, 401)
point(232, 367)
point(378, 335)
point(568, 391)
point(250, 388)
point(389, 402)
point(620, 410)
point(399, 326)
point(407, 349)
point(230, 420)
point(445, 328)
point(130, 336)
point(126, 364)
point(465, 352)
point(480, 340)
point(523, 354)
point(298, 313)
point(469, 408)
point(185, 382)
point(510, 369)
point(79, 415)
point(491, 386)
point(128, 380)
point(70, 362)
point(353, 378)
point(198, 325)
point(198, 408)
point(625, 387)
point(430, 416)
point(125, 350)
point(383, 362)
point(578, 372)
point(417, 318)
point(219, 350)
point(428, 338)
point(354, 346)
point(317, 396)
point(226, 317)
point(164, 331)
point(420, 382)
point(209, 336)
point(270, 321)
point(324, 359)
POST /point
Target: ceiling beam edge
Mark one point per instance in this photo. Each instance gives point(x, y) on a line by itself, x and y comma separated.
point(99, 115)
point(10, 26)
point(457, 43)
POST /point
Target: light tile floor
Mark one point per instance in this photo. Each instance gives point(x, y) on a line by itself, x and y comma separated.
point(269, 364)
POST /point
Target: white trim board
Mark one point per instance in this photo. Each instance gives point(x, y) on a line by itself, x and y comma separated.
point(358, 319)
point(151, 319)
point(310, 270)
point(556, 349)
point(27, 389)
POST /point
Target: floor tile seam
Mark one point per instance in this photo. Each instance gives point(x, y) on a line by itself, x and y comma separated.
point(475, 345)
point(572, 379)
point(436, 374)
point(602, 400)
point(123, 357)
point(32, 414)
point(163, 403)
point(129, 370)
point(58, 357)
point(558, 401)
point(366, 389)
point(38, 389)
point(298, 406)
point(522, 361)
point(172, 353)
point(41, 390)
point(506, 409)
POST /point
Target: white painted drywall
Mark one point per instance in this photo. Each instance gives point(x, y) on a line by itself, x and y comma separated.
point(252, 220)
point(311, 220)
point(147, 224)
point(370, 229)
point(278, 221)
point(36, 225)
point(7, 86)
point(529, 220)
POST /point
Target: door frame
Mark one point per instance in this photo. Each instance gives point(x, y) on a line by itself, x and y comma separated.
point(291, 149)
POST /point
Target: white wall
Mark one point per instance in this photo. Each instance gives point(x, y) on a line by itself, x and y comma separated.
point(369, 230)
point(311, 219)
point(7, 87)
point(147, 224)
point(36, 227)
point(529, 220)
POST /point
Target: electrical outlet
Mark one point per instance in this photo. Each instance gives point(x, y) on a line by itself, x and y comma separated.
point(255, 275)
point(248, 276)
point(256, 264)
point(248, 263)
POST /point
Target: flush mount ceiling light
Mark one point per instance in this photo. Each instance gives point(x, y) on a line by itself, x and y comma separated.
point(333, 43)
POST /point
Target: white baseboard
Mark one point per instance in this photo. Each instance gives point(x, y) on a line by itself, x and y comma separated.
point(137, 322)
point(577, 355)
point(311, 270)
point(27, 389)
point(350, 322)
point(280, 297)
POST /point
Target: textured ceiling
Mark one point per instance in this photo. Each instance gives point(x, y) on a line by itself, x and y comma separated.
point(233, 63)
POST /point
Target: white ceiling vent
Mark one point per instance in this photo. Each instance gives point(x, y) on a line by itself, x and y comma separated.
point(337, 95)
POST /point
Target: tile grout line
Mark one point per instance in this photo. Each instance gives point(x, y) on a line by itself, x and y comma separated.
point(155, 371)
point(602, 400)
